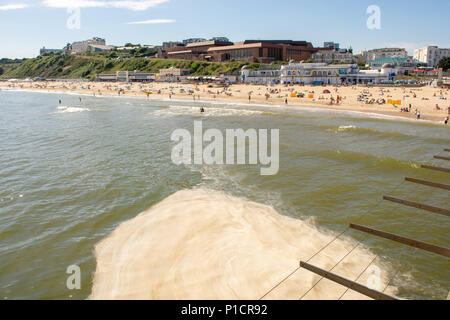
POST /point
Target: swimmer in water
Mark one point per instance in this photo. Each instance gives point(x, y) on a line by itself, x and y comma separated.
point(202, 110)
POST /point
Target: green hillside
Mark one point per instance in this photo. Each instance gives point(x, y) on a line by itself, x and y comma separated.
point(7, 64)
point(75, 67)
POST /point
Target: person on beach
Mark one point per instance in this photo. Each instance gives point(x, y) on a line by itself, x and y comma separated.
point(418, 115)
point(286, 101)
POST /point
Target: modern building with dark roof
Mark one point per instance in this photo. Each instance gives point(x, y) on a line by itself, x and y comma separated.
point(263, 51)
point(194, 50)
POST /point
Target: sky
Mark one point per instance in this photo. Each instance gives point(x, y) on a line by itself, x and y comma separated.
point(28, 25)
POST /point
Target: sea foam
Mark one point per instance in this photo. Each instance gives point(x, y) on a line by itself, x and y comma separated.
point(65, 109)
point(203, 244)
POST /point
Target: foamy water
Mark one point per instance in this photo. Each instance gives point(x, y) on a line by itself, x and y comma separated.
point(171, 111)
point(203, 244)
point(65, 109)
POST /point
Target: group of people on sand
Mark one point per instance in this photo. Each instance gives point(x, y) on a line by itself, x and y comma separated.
point(337, 101)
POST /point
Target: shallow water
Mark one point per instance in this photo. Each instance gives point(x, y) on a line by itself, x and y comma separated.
point(71, 174)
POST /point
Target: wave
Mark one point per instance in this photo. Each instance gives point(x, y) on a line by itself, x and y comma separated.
point(209, 111)
point(65, 109)
point(383, 134)
point(204, 244)
point(368, 160)
point(346, 128)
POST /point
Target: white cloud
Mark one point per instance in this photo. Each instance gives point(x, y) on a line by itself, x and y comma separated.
point(135, 5)
point(153, 21)
point(13, 7)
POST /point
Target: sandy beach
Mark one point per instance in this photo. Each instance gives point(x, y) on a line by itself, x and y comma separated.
point(432, 103)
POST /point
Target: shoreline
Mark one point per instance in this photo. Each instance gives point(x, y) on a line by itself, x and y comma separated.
point(362, 109)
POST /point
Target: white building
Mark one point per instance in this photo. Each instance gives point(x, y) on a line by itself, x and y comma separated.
point(431, 55)
point(80, 47)
point(333, 74)
point(333, 56)
point(173, 74)
point(262, 76)
point(127, 76)
point(376, 54)
point(99, 48)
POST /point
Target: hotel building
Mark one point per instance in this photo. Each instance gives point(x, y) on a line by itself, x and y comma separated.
point(376, 54)
point(80, 47)
point(333, 56)
point(431, 55)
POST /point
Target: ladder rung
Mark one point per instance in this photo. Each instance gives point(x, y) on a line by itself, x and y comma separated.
point(418, 205)
point(374, 294)
point(410, 242)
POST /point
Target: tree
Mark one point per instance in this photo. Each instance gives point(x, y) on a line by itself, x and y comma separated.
point(444, 63)
point(129, 44)
point(1, 71)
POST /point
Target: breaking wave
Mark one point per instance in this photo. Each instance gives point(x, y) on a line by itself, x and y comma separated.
point(64, 109)
point(209, 111)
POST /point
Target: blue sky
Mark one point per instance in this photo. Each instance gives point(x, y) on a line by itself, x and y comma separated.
point(27, 25)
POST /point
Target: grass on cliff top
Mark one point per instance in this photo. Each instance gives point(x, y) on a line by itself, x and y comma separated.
point(75, 66)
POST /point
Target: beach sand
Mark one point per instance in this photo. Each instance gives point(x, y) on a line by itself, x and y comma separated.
point(423, 99)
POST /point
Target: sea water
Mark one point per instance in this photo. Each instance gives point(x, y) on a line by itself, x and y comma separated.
point(79, 178)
